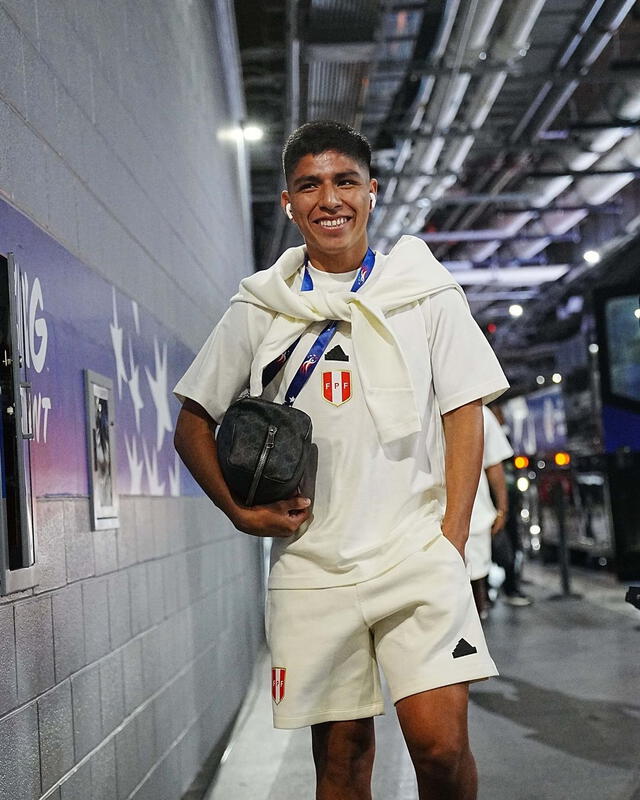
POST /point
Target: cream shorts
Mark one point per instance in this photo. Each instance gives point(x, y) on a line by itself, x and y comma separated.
point(417, 621)
point(477, 554)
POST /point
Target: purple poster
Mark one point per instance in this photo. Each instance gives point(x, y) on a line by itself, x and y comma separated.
point(537, 422)
point(74, 320)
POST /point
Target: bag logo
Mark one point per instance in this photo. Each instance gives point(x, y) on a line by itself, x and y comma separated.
point(278, 675)
point(336, 386)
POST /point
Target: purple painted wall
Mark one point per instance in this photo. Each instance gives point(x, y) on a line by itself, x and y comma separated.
point(76, 320)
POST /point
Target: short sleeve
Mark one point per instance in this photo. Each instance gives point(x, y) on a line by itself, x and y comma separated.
point(220, 371)
point(496, 445)
point(464, 366)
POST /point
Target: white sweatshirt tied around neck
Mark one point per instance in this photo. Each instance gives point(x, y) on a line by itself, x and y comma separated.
point(407, 275)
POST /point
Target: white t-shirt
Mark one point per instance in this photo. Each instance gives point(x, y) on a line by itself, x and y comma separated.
point(374, 504)
point(496, 450)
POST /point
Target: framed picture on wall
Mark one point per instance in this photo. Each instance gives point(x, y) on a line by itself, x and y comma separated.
point(101, 441)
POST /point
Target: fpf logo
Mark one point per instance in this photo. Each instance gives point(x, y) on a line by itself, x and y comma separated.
point(278, 675)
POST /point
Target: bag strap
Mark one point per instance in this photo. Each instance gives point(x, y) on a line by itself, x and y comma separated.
point(321, 343)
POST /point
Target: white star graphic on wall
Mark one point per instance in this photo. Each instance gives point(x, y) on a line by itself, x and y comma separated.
point(174, 477)
point(135, 465)
point(136, 316)
point(151, 468)
point(158, 386)
point(116, 342)
point(134, 388)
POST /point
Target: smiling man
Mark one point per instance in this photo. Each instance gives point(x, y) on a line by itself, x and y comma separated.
point(371, 575)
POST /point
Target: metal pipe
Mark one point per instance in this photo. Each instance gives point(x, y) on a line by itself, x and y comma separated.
point(550, 173)
point(489, 235)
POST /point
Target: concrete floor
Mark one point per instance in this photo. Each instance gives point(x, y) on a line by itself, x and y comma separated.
point(562, 722)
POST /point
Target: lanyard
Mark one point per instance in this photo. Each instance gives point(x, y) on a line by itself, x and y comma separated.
point(320, 345)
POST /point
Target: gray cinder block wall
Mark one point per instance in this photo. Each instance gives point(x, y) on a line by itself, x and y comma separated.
point(122, 669)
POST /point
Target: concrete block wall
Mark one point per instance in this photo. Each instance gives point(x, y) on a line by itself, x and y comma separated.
point(119, 682)
point(123, 668)
point(112, 127)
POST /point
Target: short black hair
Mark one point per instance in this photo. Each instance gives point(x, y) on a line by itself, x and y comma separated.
point(317, 137)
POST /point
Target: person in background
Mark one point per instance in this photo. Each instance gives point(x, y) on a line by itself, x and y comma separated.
point(487, 519)
point(506, 548)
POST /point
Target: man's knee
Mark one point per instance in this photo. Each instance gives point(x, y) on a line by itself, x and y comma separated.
point(343, 751)
point(440, 758)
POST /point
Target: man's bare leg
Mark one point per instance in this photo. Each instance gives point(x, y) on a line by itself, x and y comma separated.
point(343, 755)
point(434, 725)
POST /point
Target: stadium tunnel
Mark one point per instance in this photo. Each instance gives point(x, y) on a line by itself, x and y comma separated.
point(140, 181)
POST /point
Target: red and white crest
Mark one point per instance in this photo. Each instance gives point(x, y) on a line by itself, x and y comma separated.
point(278, 675)
point(336, 386)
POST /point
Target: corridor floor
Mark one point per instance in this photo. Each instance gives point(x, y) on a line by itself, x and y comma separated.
point(562, 722)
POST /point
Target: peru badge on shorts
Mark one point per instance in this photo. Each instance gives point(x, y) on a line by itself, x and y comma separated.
point(336, 386)
point(278, 675)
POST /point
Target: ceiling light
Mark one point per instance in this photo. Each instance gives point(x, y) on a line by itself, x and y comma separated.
point(591, 256)
point(540, 380)
point(252, 133)
point(556, 377)
point(636, 313)
point(516, 310)
point(593, 348)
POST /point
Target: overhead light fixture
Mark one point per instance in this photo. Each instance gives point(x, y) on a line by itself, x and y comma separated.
point(252, 133)
point(540, 380)
point(593, 347)
point(591, 256)
point(556, 377)
point(516, 310)
point(636, 313)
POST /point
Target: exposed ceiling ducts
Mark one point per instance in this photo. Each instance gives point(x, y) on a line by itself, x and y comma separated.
point(506, 133)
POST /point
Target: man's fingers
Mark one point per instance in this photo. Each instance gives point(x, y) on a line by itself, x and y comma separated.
point(298, 503)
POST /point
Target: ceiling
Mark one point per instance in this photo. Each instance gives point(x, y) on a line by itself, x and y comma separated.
point(506, 133)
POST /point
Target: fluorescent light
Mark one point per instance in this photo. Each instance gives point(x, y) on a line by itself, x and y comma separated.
point(591, 256)
point(252, 133)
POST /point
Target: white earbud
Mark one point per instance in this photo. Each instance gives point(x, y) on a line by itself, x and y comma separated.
point(374, 200)
point(287, 210)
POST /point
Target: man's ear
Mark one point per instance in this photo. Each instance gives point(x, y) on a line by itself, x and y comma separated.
point(373, 185)
point(285, 203)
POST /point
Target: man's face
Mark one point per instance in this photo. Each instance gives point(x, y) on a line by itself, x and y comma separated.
point(329, 196)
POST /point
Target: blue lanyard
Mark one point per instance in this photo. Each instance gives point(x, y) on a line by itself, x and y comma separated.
point(320, 345)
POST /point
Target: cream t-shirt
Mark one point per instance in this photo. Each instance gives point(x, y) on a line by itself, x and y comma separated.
point(374, 504)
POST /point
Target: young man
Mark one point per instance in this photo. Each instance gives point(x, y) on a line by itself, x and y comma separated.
point(372, 574)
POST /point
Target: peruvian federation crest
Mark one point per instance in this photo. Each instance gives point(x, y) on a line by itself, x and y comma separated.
point(336, 386)
point(278, 675)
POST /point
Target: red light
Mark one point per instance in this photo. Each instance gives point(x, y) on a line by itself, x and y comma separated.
point(492, 327)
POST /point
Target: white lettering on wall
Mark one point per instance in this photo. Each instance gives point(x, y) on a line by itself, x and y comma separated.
point(40, 404)
point(37, 329)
